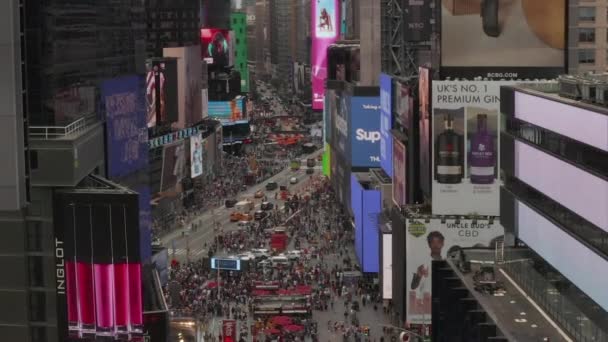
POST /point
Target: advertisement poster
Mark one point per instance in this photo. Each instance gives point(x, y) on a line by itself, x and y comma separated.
point(126, 131)
point(161, 91)
point(387, 266)
point(205, 103)
point(339, 123)
point(299, 74)
point(227, 110)
point(365, 131)
point(417, 18)
point(188, 86)
point(325, 30)
point(229, 330)
point(503, 39)
point(424, 129)
point(174, 164)
point(466, 124)
point(366, 206)
point(215, 46)
point(434, 240)
point(219, 144)
point(400, 173)
point(196, 155)
point(386, 124)
point(404, 105)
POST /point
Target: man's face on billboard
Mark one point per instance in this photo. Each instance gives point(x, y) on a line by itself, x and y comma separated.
point(436, 245)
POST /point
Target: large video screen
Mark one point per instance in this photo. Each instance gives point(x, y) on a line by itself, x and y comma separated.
point(126, 131)
point(424, 128)
point(196, 155)
point(174, 166)
point(386, 124)
point(371, 208)
point(548, 175)
point(227, 110)
point(400, 173)
point(387, 266)
point(215, 46)
point(325, 16)
point(503, 39)
point(565, 253)
point(365, 131)
point(98, 276)
point(161, 91)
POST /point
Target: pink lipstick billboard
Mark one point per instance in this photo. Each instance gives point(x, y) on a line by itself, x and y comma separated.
point(325, 31)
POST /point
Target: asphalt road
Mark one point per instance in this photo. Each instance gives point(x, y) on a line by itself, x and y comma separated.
point(183, 240)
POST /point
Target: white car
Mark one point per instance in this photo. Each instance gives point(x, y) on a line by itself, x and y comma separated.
point(265, 263)
point(280, 260)
point(293, 180)
point(156, 242)
point(244, 224)
point(259, 252)
point(246, 256)
point(294, 255)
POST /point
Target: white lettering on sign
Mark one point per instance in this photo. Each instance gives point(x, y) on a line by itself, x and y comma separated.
point(363, 135)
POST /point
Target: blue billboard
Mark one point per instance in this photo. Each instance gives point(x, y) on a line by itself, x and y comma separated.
point(366, 206)
point(145, 222)
point(386, 124)
point(364, 126)
point(230, 110)
point(126, 127)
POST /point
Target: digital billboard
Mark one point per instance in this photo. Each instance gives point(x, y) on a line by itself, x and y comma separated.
point(145, 221)
point(339, 121)
point(465, 130)
point(126, 131)
point(215, 45)
point(371, 208)
point(519, 39)
point(196, 155)
point(387, 266)
point(227, 110)
point(400, 173)
point(424, 129)
point(356, 198)
point(403, 108)
point(433, 240)
point(325, 30)
point(161, 91)
point(174, 164)
point(98, 265)
point(365, 131)
point(189, 85)
point(386, 124)
point(327, 161)
point(417, 19)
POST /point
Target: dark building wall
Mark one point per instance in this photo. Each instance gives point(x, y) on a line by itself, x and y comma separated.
point(171, 23)
point(399, 262)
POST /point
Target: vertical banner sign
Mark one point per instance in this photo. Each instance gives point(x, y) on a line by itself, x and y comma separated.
point(196, 155)
point(126, 132)
point(465, 147)
point(325, 17)
point(399, 174)
point(386, 139)
point(430, 241)
point(229, 330)
point(365, 131)
point(424, 127)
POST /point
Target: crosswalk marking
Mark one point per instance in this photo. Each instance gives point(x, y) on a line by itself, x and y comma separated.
point(183, 251)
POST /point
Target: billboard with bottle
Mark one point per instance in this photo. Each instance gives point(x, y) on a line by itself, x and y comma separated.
point(434, 239)
point(465, 129)
point(325, 17)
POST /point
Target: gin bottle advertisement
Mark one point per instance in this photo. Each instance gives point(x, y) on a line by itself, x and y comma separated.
point(466, 126)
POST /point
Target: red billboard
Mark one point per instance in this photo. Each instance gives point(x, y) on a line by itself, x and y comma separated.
point(229, 330)
point(215, 46)
point(399, 173)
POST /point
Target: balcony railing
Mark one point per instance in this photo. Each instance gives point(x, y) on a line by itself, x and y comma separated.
point(57, 132)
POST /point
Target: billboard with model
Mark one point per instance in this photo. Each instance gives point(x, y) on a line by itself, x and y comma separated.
point(399, 173)
point(465, 147)
point(325, 30)
point(433, 240)
point(161, 91)
point(386, 124)
point(227, 110)
point(424, 129)
point(189, 84)
point(126, 131)
point(98, 275)
point(364, 126)
point(503, 40)
point(196, 155)
point(174, 164)
point(215, 46)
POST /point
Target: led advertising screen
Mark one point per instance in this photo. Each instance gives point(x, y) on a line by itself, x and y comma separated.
point(189, 84)
point(356, 198)
point(325, 30)
point(215, 46)
point(126, 131)
point(547, 173)
point(518, 39)
point(424, 129)
point(386, 124)
point(417, 20)
point(465, 147)
point(371, 208)
point(400, 173)
point(365, 131)
point(387, 266)
point(98, 265)
point(196, 155)
point(327, 161)
point(145, 221)
point(339, 121)
point(430, 241)
point(161, 91)
point(174, 164)
point(227, 110)
point(564, 253)
point(403, 105)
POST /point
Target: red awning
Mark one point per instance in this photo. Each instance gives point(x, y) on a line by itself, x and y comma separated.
point(282, 320)
point(294, 328)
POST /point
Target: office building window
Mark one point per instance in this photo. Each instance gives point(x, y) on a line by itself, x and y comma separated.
point(38, 334)
point(36, 271)
point(37, 306)
point(586, 35)
point(586, 14)
point(586, 56)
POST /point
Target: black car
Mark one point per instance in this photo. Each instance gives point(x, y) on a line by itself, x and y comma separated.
point(230, 203)
point(260, 215)
point(283, 187)
point(267, 206)
point(310, 171)
point(270, 186)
